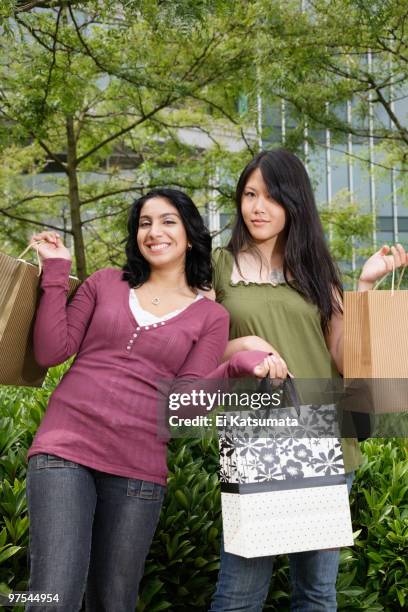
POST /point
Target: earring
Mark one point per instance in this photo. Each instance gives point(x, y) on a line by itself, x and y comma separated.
point(189, 247)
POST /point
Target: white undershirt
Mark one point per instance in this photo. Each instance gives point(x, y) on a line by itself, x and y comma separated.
point(143, 317)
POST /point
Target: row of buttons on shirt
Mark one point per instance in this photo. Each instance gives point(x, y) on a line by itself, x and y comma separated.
point(146, 327)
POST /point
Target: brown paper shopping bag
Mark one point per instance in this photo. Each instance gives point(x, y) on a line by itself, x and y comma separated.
point(376, 348)
point(19, 293)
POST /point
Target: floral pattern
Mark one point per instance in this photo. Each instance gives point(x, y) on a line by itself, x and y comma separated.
point(293, 469)
point(245, 458)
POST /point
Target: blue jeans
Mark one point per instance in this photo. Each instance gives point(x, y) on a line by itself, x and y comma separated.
point(90, 533)
point(243, 584)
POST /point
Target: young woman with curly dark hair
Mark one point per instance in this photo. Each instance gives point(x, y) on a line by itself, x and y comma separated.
point(97, 467)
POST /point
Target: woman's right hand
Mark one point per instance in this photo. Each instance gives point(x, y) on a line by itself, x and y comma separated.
point(51, 246)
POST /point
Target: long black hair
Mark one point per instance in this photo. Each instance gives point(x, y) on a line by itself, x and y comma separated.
point(198, 259)
point(306, 255)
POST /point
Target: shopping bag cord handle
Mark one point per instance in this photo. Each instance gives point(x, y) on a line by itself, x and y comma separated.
point(393, 279)
point(35, 246)
point(400, 278)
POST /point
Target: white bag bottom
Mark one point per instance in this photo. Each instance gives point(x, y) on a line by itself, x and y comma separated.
point(279, 522)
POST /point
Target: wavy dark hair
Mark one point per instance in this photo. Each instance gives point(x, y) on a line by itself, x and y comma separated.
point(306, 255)
point(198, 268)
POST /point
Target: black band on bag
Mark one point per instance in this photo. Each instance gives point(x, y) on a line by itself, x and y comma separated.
point(282, 485)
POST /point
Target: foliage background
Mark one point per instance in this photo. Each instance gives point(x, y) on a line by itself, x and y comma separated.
point(100, 101)
point(181, 570)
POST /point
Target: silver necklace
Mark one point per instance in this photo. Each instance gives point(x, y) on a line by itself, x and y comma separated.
point(156, 300)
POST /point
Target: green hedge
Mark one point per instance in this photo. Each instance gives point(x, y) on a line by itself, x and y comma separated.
point(182, 567)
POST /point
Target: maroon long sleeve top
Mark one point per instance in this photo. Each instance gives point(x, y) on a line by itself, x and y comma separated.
point(103, 413)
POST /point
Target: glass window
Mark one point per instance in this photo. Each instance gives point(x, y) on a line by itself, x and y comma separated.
point(339, 169)
point(317, 173)
point(401, 110)
point(385, 224)
point(226, 220)
point(403, 225)
point(402, 208)
point(361, 178)
point(403, 238)
point(271, 122)
point(385, 238)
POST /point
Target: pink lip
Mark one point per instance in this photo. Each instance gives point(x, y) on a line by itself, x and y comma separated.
point(259, 221)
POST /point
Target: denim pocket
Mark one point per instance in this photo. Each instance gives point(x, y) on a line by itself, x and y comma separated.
point(144, 489)
point(52, 461)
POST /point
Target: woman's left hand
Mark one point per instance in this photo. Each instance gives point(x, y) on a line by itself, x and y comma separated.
point(380, 264)
point(272, 366)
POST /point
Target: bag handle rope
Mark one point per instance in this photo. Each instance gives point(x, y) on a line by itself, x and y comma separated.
point(34, 246)
point(393, 279)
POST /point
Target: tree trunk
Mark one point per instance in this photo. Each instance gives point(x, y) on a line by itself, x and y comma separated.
point(74, 201)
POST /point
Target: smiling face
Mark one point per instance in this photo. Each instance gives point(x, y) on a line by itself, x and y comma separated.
point(264, 218)
point(161, 235)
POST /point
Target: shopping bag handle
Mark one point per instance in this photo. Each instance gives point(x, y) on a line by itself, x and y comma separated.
point(393, 279)
point(35, 246)
point(288, 387)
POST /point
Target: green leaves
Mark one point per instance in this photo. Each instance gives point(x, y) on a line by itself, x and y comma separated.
point(182, 566)
point(132, 78)
point(379, 561)
point(184, 554)
point(8, 551)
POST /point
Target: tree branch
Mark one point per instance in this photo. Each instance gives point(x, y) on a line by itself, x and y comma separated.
point(109, 246)
point(187, 126)
point(362, 159)
point(227, 116)
point(213, 105)
point(123, 131)
point(341, 128)
point(33, 222)
point(37, 197)
point(24, 7)
point(387, 107)
point(50, 153)
point(33, 34)
point(93, 57)
point(107, 195)
point(111, 214)
point(53, 61)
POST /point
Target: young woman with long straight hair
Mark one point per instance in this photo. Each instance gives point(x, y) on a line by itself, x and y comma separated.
point(97, 466)
point(284, 295)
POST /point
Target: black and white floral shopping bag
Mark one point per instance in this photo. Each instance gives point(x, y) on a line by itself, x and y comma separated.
point(285, 492)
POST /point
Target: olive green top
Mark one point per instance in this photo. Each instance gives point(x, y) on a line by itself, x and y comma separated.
point(282, 317)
